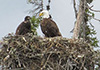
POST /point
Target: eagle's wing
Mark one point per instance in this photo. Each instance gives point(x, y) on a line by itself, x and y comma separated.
point(19, 29)
point(49, 28)
point(53, 28)
point(23, 28)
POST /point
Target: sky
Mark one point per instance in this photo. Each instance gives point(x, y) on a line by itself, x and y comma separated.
point(12, 13)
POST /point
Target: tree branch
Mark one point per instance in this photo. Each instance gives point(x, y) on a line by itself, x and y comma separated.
point(94, 18)
point(94, 10)
point(74, 5)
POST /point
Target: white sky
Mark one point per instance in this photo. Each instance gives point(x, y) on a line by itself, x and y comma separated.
point(12, 13)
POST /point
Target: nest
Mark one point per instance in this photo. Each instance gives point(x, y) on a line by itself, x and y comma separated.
point(29, 52)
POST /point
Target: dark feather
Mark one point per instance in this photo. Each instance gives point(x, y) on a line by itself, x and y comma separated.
point(24, 27)
point(49, 28)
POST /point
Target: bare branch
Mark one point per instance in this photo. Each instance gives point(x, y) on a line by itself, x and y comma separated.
point(94, 18)
point(37, 6)
point(74, 5)
point(94, 10)
point(46, 61)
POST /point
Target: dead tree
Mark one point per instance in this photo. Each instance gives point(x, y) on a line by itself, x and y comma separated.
point(79, 19)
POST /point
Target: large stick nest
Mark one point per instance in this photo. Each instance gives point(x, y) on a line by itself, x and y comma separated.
point(29, 52)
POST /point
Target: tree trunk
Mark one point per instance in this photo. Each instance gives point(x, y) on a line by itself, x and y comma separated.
point(78, 21)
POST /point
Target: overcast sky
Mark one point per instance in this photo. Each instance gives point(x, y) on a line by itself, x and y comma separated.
point(12, 13)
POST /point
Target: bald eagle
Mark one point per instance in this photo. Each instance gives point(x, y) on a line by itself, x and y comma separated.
point(24, 27)
point(48, 26)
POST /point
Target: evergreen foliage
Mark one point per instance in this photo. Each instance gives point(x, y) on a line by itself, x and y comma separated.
point(35, 24)
point(90, 31)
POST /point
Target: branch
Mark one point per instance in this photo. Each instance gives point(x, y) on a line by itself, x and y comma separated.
point(94, 18)
point(93, 9)
point(74, 5)
point(37, 6)
point(46, 61)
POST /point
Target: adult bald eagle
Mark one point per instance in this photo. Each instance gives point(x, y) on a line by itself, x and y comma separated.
point(48, 26)
point(24, 27)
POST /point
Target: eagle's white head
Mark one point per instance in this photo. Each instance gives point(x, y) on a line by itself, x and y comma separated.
point(44, 14)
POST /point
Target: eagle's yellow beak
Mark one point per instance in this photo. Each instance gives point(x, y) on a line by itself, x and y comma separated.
point(40, 14)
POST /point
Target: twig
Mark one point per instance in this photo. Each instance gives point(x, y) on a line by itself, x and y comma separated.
point(82, 66)
point(92, 9)
point(94, 18)
point(91, 24)
point(42, 4)
point(50, 46)
point(58, 44)
point(46, 61)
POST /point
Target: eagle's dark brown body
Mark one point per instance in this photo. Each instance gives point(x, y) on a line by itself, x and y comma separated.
point(24, 27)
point(49, 28)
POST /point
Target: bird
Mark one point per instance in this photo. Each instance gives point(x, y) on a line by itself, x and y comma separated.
point(24, 27)
point(48, 26)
